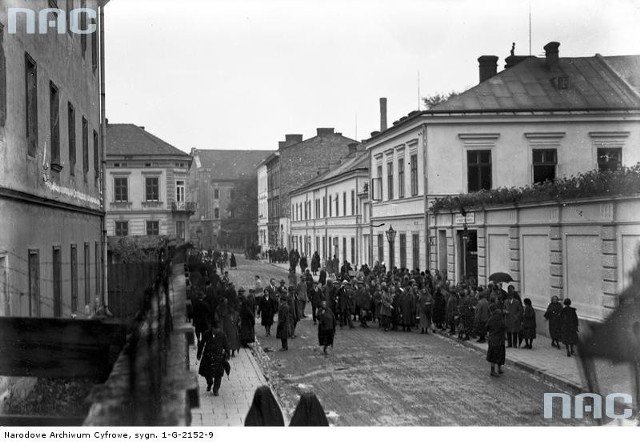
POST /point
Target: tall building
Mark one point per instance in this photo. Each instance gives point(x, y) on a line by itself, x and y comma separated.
point(263, 205)
point(215, 176)
point(146, 185)
point(51, 208)
point(296, 162)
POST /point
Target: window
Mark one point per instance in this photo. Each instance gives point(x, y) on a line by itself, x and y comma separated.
point(152, 189)
point(71, 125)
point(401, 178)
point(324, 206)
point(609, 159)
point(337, 200)
point(380, 248)
point(31, 84)
point(94, 50)
point(353, 202)
point(216, 213)
point(153, 228)
point(544, 165)
point(344, 249)
point(180, 191)
point(54, 126)
point(96, 159)
point(216, 193)
point(74, 278)
point(353, 250)
point(57, 282)
point(122, 228)
point(83, 25)
point(330, 206)
point(344, 203)
point(479, 170)
point(85, 148)
point(415, 242)
point(317, 209)
point(390, 180)
point(180, 229)
point(414, 174)
point(34, 283)
point(121, 189)
point(403, 250)
point(87, 274)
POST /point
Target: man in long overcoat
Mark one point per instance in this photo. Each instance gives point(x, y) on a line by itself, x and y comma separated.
point(283, 331)
point(267, 308)
point(513, 320)
point(213, 352)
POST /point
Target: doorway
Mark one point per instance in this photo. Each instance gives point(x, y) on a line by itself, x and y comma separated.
point(468, 255)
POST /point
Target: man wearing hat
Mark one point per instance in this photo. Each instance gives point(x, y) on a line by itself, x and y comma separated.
point(316, 297)
point(344, 304)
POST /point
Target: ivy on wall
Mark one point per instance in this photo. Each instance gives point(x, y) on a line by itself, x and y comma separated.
point(624, 181)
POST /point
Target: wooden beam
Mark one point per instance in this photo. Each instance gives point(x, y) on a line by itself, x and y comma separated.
point(59, 348)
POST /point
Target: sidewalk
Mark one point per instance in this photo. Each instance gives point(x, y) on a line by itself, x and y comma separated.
point(553, 365)
point(236, 393)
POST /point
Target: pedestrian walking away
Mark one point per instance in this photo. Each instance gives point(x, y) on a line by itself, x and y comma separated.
point(496, 353)
point(213, 353)
point(326, 327)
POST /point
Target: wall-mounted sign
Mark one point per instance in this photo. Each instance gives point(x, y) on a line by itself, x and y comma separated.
point(469, 219)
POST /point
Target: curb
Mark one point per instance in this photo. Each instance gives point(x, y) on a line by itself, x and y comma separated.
point(544, 374)
point(262, 364)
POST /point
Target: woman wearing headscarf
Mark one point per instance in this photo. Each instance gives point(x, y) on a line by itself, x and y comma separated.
point(264, 410)
point(213, 352)
point(496, 329)
point(247, 319)
point(569, 319)
point(326, 327)
point(283, 331)
point(309, 412)
point(555, 323)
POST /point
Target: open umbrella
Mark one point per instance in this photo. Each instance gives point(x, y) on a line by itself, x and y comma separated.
point(500, 277)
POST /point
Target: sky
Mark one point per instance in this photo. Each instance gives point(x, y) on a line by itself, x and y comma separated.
point(240, 74)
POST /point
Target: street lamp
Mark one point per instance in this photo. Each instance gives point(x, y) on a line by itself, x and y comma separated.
point(391, 236)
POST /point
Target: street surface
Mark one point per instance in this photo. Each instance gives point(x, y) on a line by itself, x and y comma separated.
point(376, 378)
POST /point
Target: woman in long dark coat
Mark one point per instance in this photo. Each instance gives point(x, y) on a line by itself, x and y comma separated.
point(528, 324)
point(213, 352)
point(283, 331)
point(232, 261)
point(228, 321)
point(555, 323)
point(267, 308)
point(569, 329)
point(247, 321)
point(496, 353)
point(425, 304)
point(326, 327)
point(439, 308)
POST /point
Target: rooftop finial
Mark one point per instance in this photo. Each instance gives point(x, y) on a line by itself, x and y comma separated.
point(513, 48)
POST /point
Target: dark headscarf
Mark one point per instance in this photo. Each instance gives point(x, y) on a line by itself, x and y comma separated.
point(264, 411)
point(309, 412)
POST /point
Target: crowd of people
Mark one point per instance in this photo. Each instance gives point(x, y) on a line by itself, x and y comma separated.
point(395, 300)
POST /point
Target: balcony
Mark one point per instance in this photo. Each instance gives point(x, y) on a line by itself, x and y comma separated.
point(184, 207)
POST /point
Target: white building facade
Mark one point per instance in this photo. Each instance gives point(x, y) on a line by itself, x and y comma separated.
point(263, 207)
point(328, 213)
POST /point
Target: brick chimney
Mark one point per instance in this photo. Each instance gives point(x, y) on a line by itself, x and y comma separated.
point(325, 131)
point(488, 66)
point(290, 139)
point(383, 114)
point(552, 55)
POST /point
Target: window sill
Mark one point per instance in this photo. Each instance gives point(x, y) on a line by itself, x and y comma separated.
point(152, 204)
point(121, 205)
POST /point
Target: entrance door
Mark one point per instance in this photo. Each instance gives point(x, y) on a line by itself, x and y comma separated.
point(468, 255)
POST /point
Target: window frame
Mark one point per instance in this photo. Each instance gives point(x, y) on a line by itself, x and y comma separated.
point(390, 180)
point(414, 174)
point(401, 177)
point(153, 226)
point(117, 189)
point(480, 166)
point(120, 227)
point(538, 166)
point(604, 166)
point(152, 190)
point(54, 126)
point(31, 105)
point(71, 134)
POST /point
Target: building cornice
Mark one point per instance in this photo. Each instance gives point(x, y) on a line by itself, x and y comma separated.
point(17, 195)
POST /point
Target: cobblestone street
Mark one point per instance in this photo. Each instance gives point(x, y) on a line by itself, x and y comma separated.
point(376, 378)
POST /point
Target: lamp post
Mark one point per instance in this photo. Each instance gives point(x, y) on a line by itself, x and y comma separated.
point(391, 237)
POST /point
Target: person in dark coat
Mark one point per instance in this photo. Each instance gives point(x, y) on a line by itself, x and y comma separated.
point(528, 324)
point(569, 319)
point(267, 308)
point(326, 327)
point(201, 315)
point(247, 320)
point(513, 319)
point(228, 322)
point(322, 278)
point(496, 329)
point(316, 298)
point(315, 262)
point(309, 412)
point(213, 352)
point(439, 308)
point(232, 261)
point(407, 309)
point(425, 304)
point(283, 331)
point(264, 410)
point(303, 264)
point(555, 323)
point(452, 311)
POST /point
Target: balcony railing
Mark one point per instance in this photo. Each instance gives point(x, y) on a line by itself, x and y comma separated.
point(184, 206)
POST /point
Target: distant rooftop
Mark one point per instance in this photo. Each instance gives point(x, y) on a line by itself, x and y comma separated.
point(129, 139)
point(230, 164)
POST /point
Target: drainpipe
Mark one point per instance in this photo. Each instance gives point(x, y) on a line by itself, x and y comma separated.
point(103, 138)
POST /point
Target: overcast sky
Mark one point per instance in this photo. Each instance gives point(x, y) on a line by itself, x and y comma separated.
point(240, 74)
